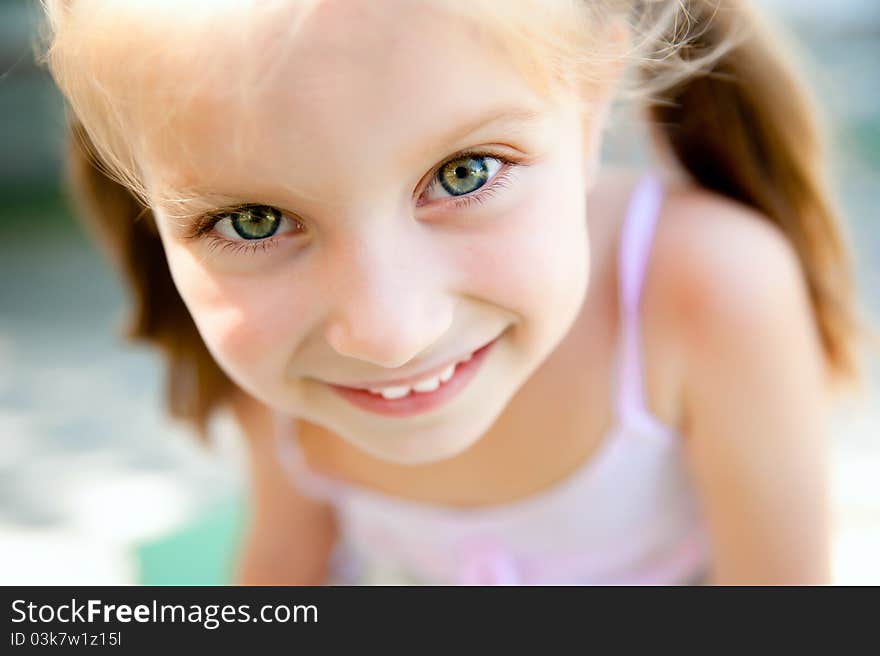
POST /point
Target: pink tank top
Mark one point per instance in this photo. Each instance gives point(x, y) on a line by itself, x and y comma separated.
point(628, 515)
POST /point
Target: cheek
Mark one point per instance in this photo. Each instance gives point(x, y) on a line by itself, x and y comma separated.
point(535, 259)
point(247, 322)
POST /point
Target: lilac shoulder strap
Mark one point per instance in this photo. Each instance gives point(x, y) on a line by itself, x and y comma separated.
point(294, 465)
point(635, 249)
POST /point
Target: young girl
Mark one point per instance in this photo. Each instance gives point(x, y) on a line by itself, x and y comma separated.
point(459, 351)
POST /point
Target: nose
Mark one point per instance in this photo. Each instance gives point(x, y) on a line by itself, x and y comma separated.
point(389, 307)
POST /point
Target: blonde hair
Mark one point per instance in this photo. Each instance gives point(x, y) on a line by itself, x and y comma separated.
point(716, 84)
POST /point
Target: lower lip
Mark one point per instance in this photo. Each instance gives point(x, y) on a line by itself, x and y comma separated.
point(416, 403)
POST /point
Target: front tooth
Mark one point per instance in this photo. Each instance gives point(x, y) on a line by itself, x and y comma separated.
point(428, 385)
point(446, 374)
point(394, 392)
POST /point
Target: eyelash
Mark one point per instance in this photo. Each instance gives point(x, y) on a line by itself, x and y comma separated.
point(205, 223)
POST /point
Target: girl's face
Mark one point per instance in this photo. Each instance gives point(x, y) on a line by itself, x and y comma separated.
point(410, 200)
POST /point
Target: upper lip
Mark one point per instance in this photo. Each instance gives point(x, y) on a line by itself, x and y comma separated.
point(411, 380)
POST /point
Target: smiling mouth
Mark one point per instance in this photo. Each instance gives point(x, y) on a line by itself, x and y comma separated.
point(423, 383)
point(422, 395)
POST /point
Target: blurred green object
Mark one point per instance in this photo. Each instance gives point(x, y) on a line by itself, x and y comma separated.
point(200, 553)
point(866, 137)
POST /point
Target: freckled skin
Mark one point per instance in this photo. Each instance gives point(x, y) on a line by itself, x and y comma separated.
point(377, 287)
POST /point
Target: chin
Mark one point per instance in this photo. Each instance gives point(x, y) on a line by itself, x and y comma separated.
point(427, 445)
point(415, 451)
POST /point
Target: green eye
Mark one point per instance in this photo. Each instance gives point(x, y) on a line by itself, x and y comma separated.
point(255, 221)
point(464, 175)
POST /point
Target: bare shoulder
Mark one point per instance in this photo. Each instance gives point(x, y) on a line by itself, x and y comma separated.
point(719, 274)
point(724, 299)
point(727, 284)
point(719, 267)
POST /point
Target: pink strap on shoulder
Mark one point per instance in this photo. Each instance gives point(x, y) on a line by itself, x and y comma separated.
point(635, 250)
point(294, 464)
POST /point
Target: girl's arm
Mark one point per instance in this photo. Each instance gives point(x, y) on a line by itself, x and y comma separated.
point(754, 395)
point(289, 536)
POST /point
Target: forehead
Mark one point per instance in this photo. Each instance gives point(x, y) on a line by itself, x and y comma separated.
point(236, 95)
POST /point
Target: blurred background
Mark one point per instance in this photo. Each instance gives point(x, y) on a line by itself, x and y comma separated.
point(97, 486)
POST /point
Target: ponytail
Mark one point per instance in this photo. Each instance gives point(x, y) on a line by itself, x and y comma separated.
point(747, 129)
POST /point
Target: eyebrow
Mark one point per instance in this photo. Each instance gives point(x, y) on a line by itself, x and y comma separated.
point(516, 118)
point(194, 221)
